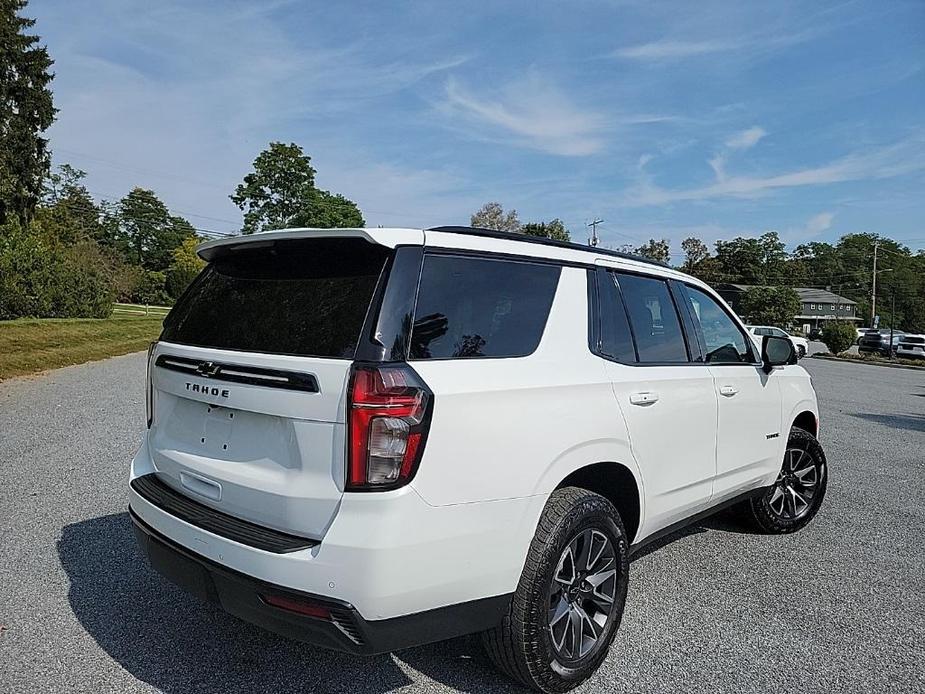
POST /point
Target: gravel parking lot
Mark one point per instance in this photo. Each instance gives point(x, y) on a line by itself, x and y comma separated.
point(838, 607)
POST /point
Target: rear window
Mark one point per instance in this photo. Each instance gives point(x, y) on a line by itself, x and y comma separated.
point(303, 297)
point(478, 307)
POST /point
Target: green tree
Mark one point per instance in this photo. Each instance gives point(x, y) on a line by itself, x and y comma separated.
point(68, 212)
point(770, 305)
point(328, 211)
point(695, 252)
point(146, 232)
point(184, 268)
point(491, 215)
point(280, 192)
point(821, 262)
point(838, 336)
point(548, 230)
point(653, 249)
point(752, 261)
point(152, 289)
point(26, 111)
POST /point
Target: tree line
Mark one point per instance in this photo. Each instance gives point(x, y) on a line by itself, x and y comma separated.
point(64, 254)
point(844, 267)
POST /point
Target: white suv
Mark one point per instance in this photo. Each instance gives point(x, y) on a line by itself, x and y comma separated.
point(369, 439)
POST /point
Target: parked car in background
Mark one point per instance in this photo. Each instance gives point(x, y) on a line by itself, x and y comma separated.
point(815, 334)
point(369, 439)
point(879, 342)
point(800, 345)
point(911, 347)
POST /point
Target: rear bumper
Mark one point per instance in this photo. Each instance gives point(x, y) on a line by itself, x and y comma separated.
point(343, 628)
point(388, 555)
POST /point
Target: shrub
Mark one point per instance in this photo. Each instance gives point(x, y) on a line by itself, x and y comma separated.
point(838, 337)
point(42, 279)
point(151, 290)
point(184, 268)
point(27, 266)
point(84, 283)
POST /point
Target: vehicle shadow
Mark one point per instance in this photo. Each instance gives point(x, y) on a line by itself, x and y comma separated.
point(723, 521)
point(913, 422)
point(179, 644)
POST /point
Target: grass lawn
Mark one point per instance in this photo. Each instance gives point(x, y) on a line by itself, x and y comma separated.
point(28, 345)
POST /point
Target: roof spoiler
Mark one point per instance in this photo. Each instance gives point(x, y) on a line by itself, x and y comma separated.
point(390, 238)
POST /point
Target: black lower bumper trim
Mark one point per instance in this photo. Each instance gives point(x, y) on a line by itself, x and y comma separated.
point(240, 595)
point(154, 491)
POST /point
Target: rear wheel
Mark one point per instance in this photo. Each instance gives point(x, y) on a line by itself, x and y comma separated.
point(570, 597)
point(796, 495)
point(801, 351)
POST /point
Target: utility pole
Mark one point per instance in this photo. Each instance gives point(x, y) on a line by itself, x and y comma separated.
point(593, 240)
point(873, 285)
point(892, 316)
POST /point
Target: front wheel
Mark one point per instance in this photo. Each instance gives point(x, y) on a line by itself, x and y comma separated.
point(801, 351)
point(796, 495)
point(570, 598)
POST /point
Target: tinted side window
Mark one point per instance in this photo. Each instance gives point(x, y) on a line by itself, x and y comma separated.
point(477, 307)
point(616, 340)
point(654, 318)
point(725, 343)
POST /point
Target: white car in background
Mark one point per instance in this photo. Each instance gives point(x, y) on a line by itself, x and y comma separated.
point(911, 347)
point(800, 345)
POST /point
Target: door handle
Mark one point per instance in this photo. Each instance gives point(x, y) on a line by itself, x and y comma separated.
point(646, 398)
point(728, 391)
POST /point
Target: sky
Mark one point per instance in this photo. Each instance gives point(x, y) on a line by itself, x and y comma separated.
point(664, 119)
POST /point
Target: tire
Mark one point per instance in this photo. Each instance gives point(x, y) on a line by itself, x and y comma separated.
point(533, 645)
point(795, 497)
point(801, 351)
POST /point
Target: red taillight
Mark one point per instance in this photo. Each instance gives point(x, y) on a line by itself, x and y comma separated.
point(387, 417)
point(303, 607)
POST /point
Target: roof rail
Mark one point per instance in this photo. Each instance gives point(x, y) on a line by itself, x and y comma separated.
point(543, 241)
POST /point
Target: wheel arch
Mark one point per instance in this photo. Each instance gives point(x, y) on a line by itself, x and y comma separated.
point(616, 483)
point(807, 421)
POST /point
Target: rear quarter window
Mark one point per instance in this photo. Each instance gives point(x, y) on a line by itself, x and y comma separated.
point(303, 297)
point(481, 307)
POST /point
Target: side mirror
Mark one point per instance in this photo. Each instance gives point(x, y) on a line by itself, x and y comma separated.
point(776, 351)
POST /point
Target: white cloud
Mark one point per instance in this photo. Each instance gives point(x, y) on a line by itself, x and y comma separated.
point(186, 97)
point(746, 138)
point(718, 164)
point(819, 223)
point(897, 159)
point(667, 49)
point(535, 112)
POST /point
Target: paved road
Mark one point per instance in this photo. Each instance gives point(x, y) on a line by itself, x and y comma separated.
point(838, 607)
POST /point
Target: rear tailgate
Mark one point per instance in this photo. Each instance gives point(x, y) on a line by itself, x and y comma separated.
point(249, 379)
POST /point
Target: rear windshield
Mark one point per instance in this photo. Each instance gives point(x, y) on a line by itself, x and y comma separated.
point(302, 297)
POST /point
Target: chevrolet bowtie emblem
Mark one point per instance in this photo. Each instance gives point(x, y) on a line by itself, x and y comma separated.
point(208, 369)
